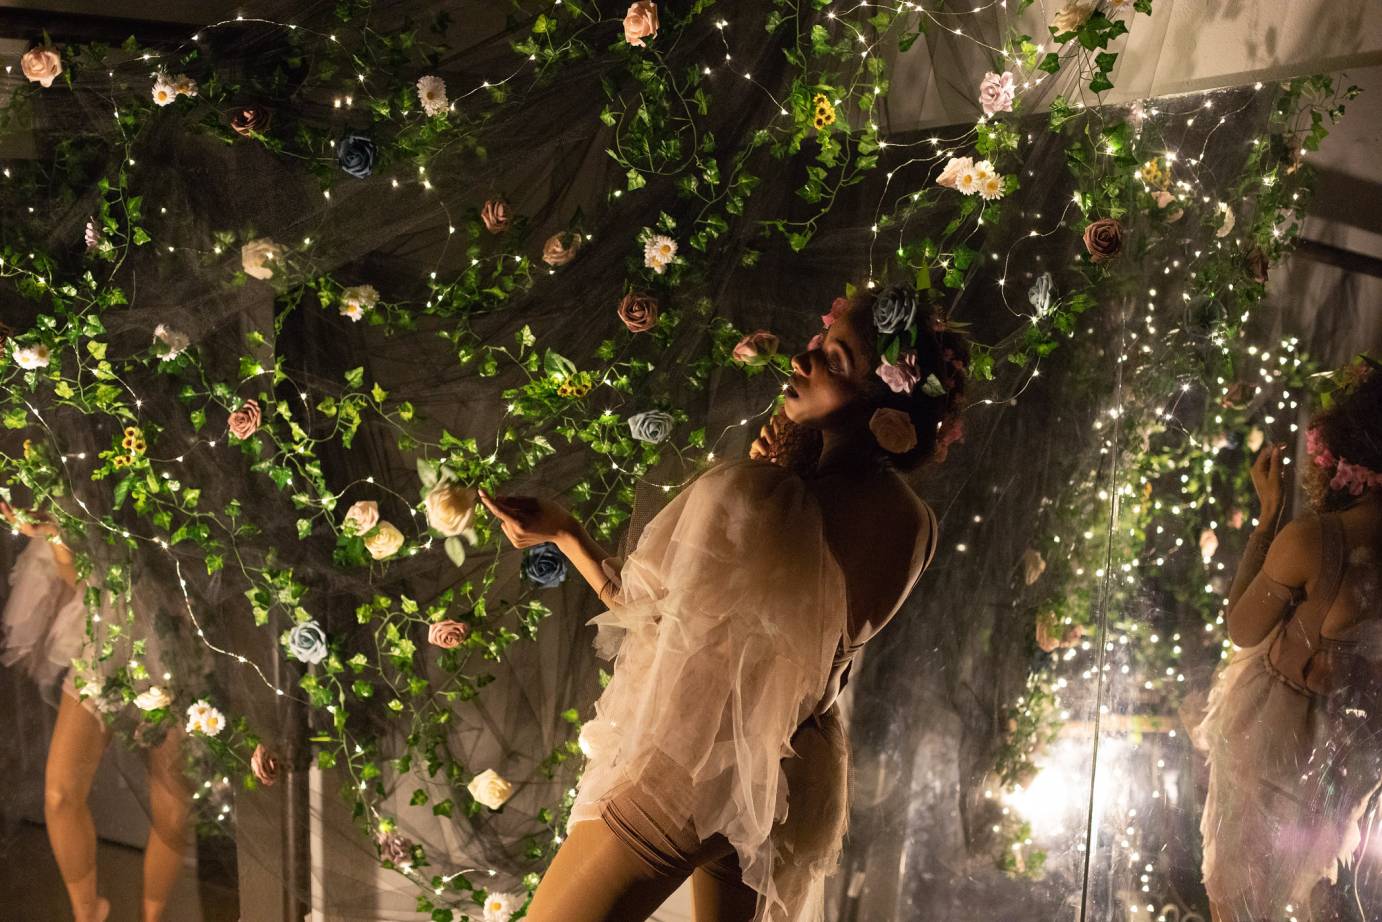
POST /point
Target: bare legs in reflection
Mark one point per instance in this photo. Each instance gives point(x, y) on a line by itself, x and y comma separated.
point(79, 740)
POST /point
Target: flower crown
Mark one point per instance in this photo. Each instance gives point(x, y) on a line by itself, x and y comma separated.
point(895, 318)
point(1354, 478)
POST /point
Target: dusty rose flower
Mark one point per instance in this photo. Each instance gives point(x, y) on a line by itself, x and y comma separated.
point(394, 847)
point(640, 22)
point(755, 348)
point(893, 429)
point(1258, 265)
point(264, 766)
point(996, 92)
point(561, 248)
point(1050, 640)
point(42, 65)
point(837, 309)
point(450, 507)
point(816, 342)
point(638, 310)
point(447, 634)
point(1164, 201)
point(950, 175)
point(361, 517)
point(250, 118)
point(244, 422)
point(903, 376)
point(257, 258)
point(1103, 239)
point(495, 214)
point(385, 542)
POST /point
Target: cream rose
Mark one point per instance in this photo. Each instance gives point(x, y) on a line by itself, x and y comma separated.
point(1073, 16)
point(360, 517)
point(561, 248)
point(257, 255)
point(41, 65)
point(385, 542)
point(449, 508)
point(490, 789)
point(152, 699)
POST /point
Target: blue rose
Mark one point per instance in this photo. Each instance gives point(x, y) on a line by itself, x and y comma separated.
point(544, 565)
point(894, 310)
point(355, 153)
point(306, 642)
point(651, 425)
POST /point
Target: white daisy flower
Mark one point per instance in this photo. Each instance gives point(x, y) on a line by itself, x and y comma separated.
point(35, 356)
point(353, 311)
point(659, 252)
point(203, 718)
point(985, 169)
point(500, 907)
point(991, 187)
point(164, 91)
point(431, 91)
point(968, 181)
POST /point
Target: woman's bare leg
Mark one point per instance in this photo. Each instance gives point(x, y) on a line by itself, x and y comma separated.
point(170, 801)
point(597, 878)
point(79, 739)
point(714, 899)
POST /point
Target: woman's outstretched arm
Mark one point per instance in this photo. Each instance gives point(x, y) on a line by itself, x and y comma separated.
point(527, 520)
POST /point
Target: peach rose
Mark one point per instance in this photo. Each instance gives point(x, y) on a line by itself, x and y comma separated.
point(42, 65)
point(257, 256)
point(561, 248)
point(264, 766)
point(250, 118)
point(244, 422)
point(638, 310)
point(1164, 200)
point(447, 634)
point(755, 348)
point(361, 517)
point(495, 214)
point(893, 429)
point(1033, 565)
point(385, 542)
point(640, 22)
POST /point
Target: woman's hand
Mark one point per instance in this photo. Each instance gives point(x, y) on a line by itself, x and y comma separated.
point(784, 443)
point(40, 526)
point(1269, 479)
point(527, 520)
point(767, 443)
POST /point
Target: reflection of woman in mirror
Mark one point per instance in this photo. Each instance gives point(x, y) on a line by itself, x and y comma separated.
point(1292, 731)
point(45, 629)
point(715, 752)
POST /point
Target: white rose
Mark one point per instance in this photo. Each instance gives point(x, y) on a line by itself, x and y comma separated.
point(500, 907)
point(256, 255)
point(1254, 440)
point(1229, 220)
point(1073, 16)
point(153, 699)
point(490, 788)
point(361, 517)
point(35, 356)
point(450, 507)
point(175, 341)
point(1209, 544)
point(597, 738)
point(385, 542)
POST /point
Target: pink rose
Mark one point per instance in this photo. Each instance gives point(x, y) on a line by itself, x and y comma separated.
point(950, 175)
point(495, 214)
point(561, 248)
point(394, 847)
point(1165, 199)
point(816, 342)
point(1103, 239)
point(264, 766)
point(903, 376)
point(638, 310)
point(640, 22)
point(42, 65)
point(248, 119)
point(837, 309)
point(894, 430)
point(447, 634)
point(755, 348)
point(996, 92)
point(244, 422)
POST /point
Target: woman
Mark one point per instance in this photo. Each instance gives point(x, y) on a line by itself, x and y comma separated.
point(45, 630)
point(716, 752)
point(1292, 731)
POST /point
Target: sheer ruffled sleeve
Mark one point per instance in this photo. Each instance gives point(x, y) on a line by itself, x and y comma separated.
point(44, 619)
point(723, 631)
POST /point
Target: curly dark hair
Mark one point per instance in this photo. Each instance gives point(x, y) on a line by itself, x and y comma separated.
point(1351, 430)
point(939, 351)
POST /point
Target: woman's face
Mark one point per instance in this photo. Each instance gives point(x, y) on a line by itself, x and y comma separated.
point(829, 378)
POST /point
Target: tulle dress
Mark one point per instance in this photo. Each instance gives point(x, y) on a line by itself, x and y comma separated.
point(729, 631)
point(124, 648)
point(1292, 771)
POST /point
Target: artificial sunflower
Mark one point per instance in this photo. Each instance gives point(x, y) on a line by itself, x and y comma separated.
point(139, 446)
point(128, 441)
point(820, 122)
point(120, 461)
point(580, 390)
point(563, 390)
point(1152, 173)
point(819, 99)
point(131, 431)
point(28, 449)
